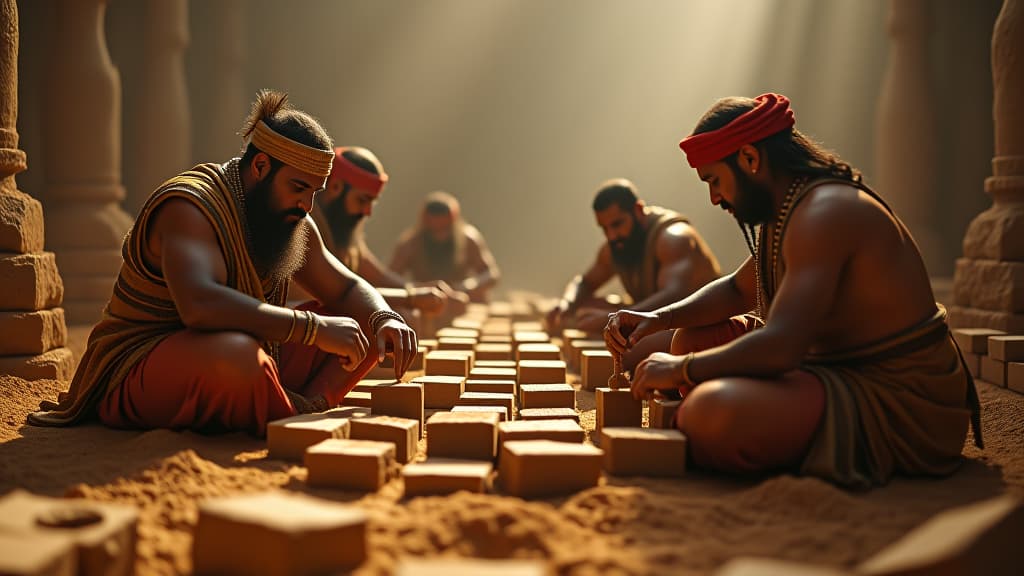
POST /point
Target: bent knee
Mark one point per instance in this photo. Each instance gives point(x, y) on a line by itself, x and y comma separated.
point(236, 357)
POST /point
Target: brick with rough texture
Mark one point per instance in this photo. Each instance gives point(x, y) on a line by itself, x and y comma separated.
point(45, 554)
point(559, 430)
point(1015, 376)
point(549, 414)
point(31, 333)
point(53, 364)
point(357, 398)
point(980, 538)
point(21, 223)
point(501, 411)
point(441, 391)
point(402, 432)
point(643, 451)
point(993, 371)
point(463, 435)
point(493, 351)
point(31, 281)
point(547, 396)
point(975, 340)
point(662, 412)
point(447, 363)
point(1006, 348)
point(278, 533)
point(438, 476)
point(288, 438)
point(106, 546)
point(471, 567)
point(507, 401)
point(499, 386)
point(404, 400)
point(538, 351)
point(596, 367)
point(540, 468)
point(349, 464)
point(541, 372)
point(617, 408)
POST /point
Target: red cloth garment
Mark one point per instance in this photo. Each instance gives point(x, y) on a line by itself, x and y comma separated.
point(771, 115)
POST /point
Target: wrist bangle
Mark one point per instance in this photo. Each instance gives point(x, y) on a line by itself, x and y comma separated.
point(314, 325)
point(378, 318)
point(684, 371)
point(292, 329)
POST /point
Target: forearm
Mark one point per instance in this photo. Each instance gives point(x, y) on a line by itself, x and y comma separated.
point(361, 300)
point(399, 297)
point(659, 299)
point(714, 302)
point(223, 309)
point(761, 353)
point(576, 291)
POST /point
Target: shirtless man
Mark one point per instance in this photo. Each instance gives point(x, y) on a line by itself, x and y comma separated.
point(197, 333)
point(854, 375)
point(657, 254)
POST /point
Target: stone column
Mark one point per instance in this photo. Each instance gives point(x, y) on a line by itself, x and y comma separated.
point(905, 153)
point(86, 224)
point(33, 333)
point(160, 135)
point(988, 286)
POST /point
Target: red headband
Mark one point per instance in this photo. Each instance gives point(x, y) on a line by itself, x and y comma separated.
point(770, 116)
point(357, 177)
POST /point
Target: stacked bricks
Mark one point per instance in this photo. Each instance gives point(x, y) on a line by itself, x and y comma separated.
point(441, 391)
point(973, 343)
point(349, 464)
point(278, 533)
point(404, 400)
point(537, 351)
point(101, 536)
point(1006, 360)
point(288, 438)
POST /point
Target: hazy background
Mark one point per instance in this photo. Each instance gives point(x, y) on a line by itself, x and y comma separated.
point(522, 107)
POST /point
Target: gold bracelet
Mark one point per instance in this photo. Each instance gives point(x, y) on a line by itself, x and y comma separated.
point(684, 370)
point(292, 329)
point(314, 325)
point(306, 327)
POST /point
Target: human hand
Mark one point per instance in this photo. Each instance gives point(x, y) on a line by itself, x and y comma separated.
point(555, 318)
point(591, 320)
point(428, 299)
point(659, 371)
point(398, 339)
point(625, 328)
point(342, 336)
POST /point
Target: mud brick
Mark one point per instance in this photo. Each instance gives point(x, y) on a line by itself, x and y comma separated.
point(617, 408)
point(495, 364)
point(538, 351)
point(521, 336)
point(44, 554)
point(32, 282)
point(464, 435)
point(576, 348)
point(31, 333)
point(541, 372)
point(980, 538)
point(402, 432)
point(547, 396)
point(439, 476)
point(501, 411)
point(350, 412)
point(993, 371)
point(104, 547)
point(975, 339)
point(570, 334)
point(596, 367)
point(349, 464)
point(973, 362)
point(754, 566)
point(499, 386)
point(500, 309)
point(1015, 376)
point(428, 343)
point(369, 384)
point(528, 326)
point(1006, 348)
point(452, 332)
point(356, 398)
point(549, 414)
point(454, 343)
point(288, 438)
point(493, 351)
point(469, 322)
point(487, 373)
point(662, 412)
point(538, 468)
point(441, 391)
point(564, 430)
point(401, 399)
point(643, 451)
point(471, 567)
point(496, 339)
point(447, 363)
point(277, 533)
point(386, 368)
point(507, 401)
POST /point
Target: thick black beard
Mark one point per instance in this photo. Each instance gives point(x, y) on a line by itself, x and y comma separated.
point(753, 200)
point(440, 256)
point(629, 252)
point(277, 247)
point(341, 223)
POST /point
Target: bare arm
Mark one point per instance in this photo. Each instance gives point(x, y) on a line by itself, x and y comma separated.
point(683, 267)
point(481, 262)
point(581, 288)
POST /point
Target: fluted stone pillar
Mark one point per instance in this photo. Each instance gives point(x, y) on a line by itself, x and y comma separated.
point(905, 152)
point(988, 286)
point(85, 221)
point(33, 333)
point(161, 135)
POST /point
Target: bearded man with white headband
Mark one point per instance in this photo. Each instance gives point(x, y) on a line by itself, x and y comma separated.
point(196, 334)
point(825, 352)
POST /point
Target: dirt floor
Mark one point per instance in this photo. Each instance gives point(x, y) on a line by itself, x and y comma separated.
point(624, 526)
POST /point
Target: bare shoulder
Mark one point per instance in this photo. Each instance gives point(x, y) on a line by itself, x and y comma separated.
point(472, 233)
point(835, 203)
point(677, 240)
point(178, 215)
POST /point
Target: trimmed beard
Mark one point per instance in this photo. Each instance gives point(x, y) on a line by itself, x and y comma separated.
point(341, 224)
point(753, 200)
point(277, 247)
point(629, 252)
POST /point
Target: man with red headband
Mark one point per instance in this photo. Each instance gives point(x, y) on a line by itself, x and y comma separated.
point(444, 247)
point(197, 334)
point(355, 184)
point(846, 368)
point(657, 255)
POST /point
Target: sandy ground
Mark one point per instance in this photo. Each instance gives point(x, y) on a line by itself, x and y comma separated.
point(624, 526)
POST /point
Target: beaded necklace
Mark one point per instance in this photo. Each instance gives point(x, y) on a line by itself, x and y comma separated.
point(798, 183)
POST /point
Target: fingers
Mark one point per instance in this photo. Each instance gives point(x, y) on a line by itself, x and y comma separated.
point(639, 384)
point(408, 338)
